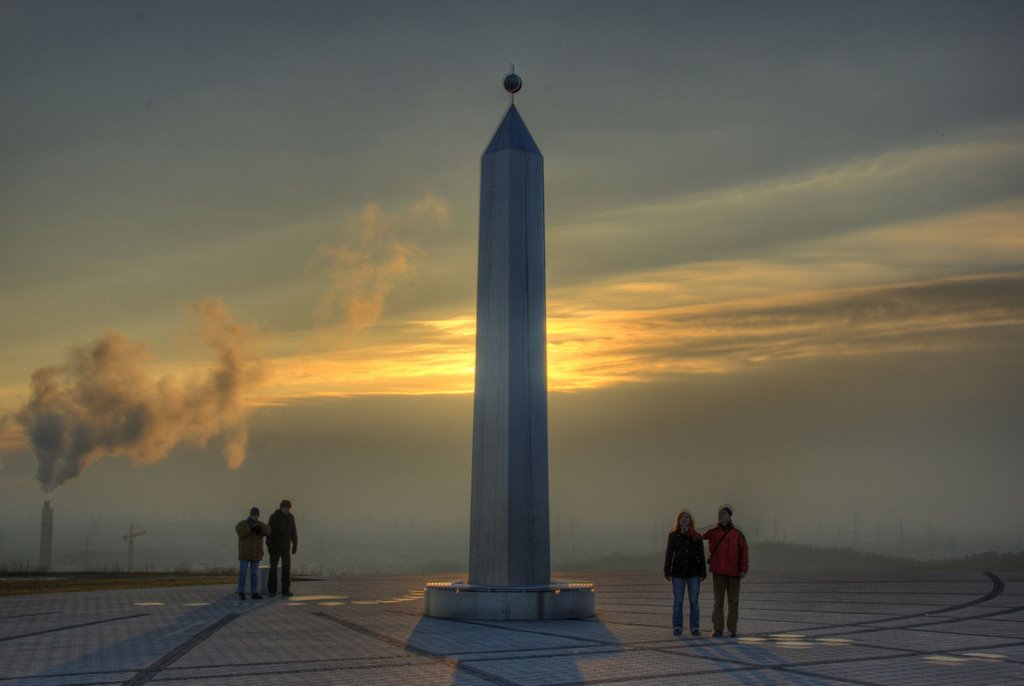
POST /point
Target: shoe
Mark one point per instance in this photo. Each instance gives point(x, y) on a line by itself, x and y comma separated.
point(287, 594)
point(676, 632)
point(695, 632)
point(257, 596)
point(716, 633)
point(273, 594)
point(732, 634)
point(241, 596)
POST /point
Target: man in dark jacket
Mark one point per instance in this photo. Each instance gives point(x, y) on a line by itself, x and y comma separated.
point(282, 543)
point(684, 567)
point(729, 562)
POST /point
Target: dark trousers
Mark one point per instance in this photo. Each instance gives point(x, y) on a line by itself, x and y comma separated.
point(285, 557)
point(726, 585)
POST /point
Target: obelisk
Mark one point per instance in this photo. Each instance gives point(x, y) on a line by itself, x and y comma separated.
point(509, 549)
point(509, 533)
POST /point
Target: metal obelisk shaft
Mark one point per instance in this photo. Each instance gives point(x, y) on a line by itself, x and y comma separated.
point(509, 535)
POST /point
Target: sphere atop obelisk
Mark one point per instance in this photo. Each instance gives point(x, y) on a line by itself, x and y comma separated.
point(512, 82)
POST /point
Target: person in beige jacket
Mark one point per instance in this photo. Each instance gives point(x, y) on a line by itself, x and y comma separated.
point(251, 532)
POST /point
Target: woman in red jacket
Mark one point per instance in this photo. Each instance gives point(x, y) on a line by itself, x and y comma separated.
point(729, 561)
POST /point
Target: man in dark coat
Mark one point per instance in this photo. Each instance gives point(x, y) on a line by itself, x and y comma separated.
point(282, 543)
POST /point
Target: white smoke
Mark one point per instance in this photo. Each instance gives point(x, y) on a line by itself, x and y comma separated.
point(379, 252)
point(103, 401)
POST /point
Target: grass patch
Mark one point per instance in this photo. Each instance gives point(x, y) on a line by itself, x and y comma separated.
point(29, 584)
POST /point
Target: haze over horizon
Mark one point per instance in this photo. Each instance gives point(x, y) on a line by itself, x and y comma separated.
point(785, 266)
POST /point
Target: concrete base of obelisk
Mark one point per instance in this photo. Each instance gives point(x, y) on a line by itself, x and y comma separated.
point(557, 600)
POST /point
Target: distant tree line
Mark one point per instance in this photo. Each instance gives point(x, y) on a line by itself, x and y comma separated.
point(777, 556)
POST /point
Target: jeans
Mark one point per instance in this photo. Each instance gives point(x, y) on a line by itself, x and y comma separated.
point(254, 575)
point(691, 585)
point(726, 585)
point(285, 557)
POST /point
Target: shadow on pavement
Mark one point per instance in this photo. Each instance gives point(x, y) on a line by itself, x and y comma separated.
point(494, 651)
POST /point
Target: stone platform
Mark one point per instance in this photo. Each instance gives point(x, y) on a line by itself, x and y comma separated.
point(557, 600)
point(806, 629)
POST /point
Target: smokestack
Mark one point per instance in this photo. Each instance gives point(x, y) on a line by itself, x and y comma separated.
point(46, 538)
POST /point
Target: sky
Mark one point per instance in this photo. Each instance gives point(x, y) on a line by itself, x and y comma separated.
point(785, 263)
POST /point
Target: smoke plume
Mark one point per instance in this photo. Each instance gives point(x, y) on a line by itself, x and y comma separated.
point(380, 251)
point(103, 401)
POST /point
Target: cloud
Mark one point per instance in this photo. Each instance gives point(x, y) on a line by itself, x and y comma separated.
point(591, 346)
point(620, 332)
point(769, 216)
point(103, 401)
point(364, 268)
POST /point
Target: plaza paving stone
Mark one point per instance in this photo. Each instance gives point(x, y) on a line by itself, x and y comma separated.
point(807, 629)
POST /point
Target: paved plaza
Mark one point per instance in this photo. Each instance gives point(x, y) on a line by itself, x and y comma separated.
point(884, 628)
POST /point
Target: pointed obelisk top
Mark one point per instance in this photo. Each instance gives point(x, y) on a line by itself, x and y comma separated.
point(512, 134)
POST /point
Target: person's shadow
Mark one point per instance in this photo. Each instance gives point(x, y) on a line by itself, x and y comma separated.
point(753, 663)
point(488, 649)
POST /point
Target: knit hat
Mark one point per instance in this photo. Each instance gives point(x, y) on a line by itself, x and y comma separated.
point(285, 503)
point(727, 507)
point(254, 512)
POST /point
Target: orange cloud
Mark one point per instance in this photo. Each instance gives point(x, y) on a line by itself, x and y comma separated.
point(598, 341)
